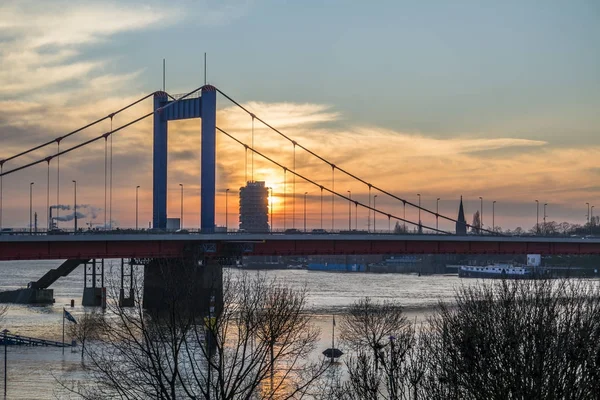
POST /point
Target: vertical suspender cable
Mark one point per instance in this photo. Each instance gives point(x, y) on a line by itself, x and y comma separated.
point(48, 197)
point(284, 197)
point(58, 183)
point(252, 147)
point(1, 179)
point(332, 194)
point(294, 191)
point(111, 176)
point(404, 215)
point(369, 220)
point(321, 207)
point(246, 165)
point(105, 168)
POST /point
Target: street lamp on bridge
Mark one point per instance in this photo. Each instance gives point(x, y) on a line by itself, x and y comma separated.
point(493, 216)
point(545, 204)
point(437, 212)
point(537, 218)
point(227, 208)
point(181, 217)
point(137, 188)
point(31, 207)
point(349, 210)
point(374, 213)
point(305, 193)
point(75, 205)
point(588, 214)
point(419, 196)
point(481, 216)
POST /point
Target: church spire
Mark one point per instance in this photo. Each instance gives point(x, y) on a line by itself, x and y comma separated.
point(461, 222)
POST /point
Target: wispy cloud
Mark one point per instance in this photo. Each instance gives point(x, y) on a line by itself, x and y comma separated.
point(40, 45)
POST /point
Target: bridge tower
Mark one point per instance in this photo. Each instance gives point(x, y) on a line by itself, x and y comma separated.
point(165, 110)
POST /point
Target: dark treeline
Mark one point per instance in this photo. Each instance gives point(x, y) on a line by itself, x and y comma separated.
point(501, 340)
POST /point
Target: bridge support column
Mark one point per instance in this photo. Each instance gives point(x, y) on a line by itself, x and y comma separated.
point(126, 294)
point(190, 283)
point(159, 163)
point(208, 159)
point(94, 292)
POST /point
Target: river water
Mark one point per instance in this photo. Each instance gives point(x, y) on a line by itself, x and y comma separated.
point(33, 371)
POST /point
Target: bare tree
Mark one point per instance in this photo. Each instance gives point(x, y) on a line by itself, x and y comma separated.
point(256, 347)
point(88, 327)
point(516, 340)
point(394, 373)
point(369, 324)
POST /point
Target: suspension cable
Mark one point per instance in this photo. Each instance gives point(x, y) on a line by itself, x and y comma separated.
point(104, 135)
point(78, 129)
point(404, 201)
point(285, 169)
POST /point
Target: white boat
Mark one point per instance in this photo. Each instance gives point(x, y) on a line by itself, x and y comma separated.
point(508, 271)
point(502, 271)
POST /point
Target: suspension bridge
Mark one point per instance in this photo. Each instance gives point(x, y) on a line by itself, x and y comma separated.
point(210, 244)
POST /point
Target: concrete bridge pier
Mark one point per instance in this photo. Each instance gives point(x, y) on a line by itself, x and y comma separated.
point(94, 292)
point(191, 283)
point(126, 292)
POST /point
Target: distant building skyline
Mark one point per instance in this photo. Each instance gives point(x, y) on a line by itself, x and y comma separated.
point(254, 207)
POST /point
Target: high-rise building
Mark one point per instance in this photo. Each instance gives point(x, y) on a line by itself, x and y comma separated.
point(254, 207)
point(461, 222)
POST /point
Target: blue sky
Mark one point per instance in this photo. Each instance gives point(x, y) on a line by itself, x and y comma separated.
point(498, 99)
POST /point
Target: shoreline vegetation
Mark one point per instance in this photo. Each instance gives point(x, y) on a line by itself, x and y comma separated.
point(496, 340)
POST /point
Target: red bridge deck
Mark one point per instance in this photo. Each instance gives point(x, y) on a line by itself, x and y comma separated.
point(42, 247)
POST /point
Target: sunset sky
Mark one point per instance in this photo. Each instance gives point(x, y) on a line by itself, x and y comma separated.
point(442, 98)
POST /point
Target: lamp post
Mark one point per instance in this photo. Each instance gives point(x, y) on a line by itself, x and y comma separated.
point(305, 193)
point(493, 216)
point(321, 207)
point(30, 207)
point(349, 210)
point(227, 209)
point(588, 214)
point(181, 213)
point(481, 216)
point(437, 212)
point(5, 332)
point(137, 188)
point(591, 219)
point(537, 218)
point(75, 205)
point(545, 204)
point(374, 213)
point(419, 195)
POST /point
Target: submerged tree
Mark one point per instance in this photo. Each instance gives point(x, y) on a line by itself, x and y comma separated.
point(383, 344)
point(256, 347)
point(368, 324)
point(88, 327)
